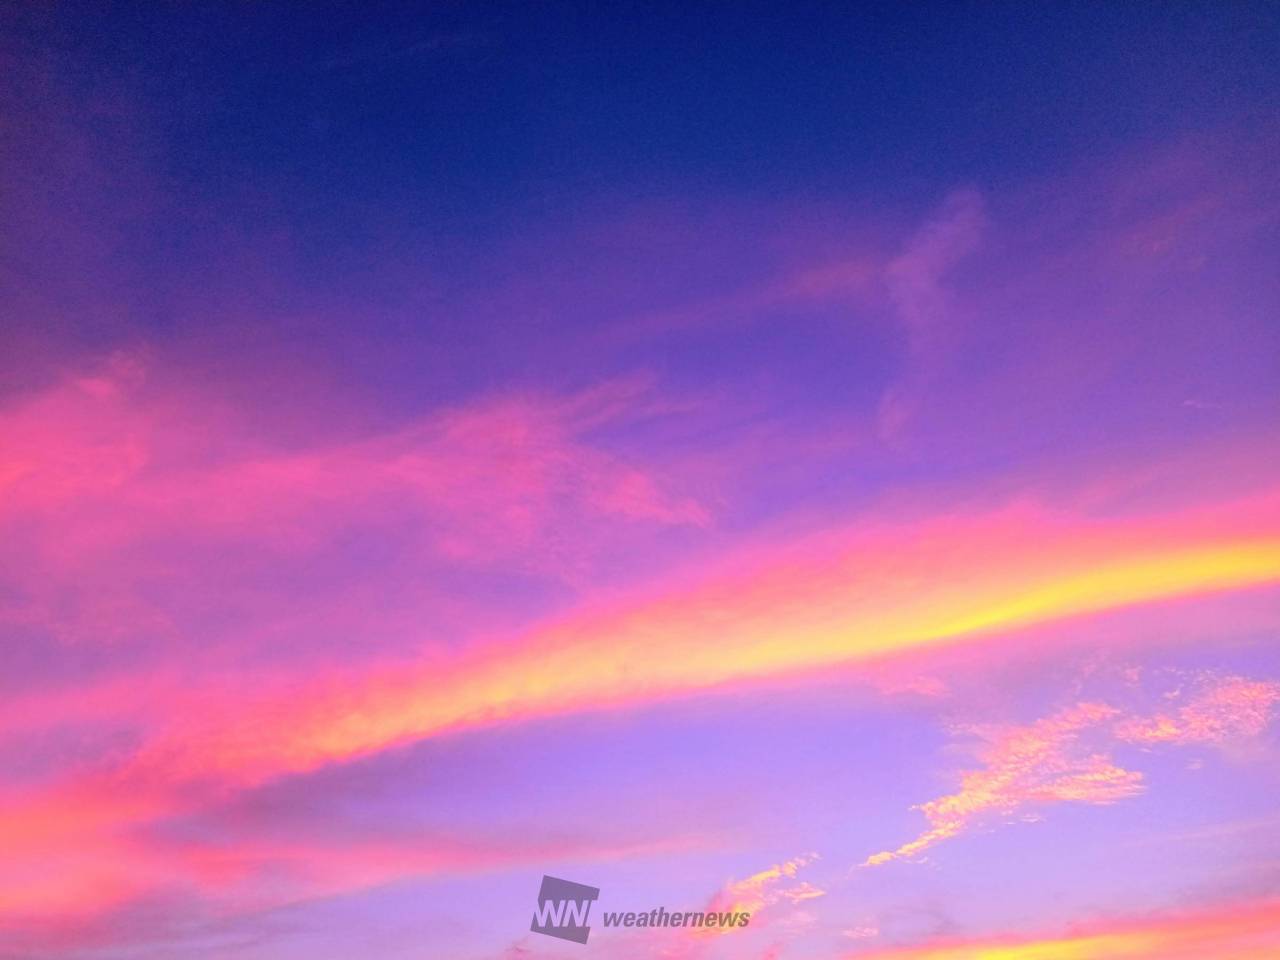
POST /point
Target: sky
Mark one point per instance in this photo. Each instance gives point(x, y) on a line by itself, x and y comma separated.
point(817, 463)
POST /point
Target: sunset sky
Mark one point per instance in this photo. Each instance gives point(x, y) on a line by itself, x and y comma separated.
point(820, 461)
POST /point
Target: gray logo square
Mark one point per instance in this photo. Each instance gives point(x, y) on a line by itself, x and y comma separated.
point(563, 907)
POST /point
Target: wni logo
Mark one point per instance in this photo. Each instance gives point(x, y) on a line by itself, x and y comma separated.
point(563, 908)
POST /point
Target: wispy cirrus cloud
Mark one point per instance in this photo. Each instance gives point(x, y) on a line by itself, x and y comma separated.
point(766, 888)
point(1068, 757)
point(1044, 763)
point(770, 897)
point(103, 441)
point(111, 485)
point(1228, 709)
point(915, 282)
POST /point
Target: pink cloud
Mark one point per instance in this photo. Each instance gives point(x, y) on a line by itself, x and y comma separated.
point(61, 889)
point(112, 489)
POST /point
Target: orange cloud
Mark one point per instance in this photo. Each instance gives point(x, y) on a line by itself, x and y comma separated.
point(1046, 762)
point(1231, 709)
point(770, 886)
point(1065, 758)
point(1249, 931)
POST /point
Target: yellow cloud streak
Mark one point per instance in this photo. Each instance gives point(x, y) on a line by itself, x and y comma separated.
point(881, 596)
